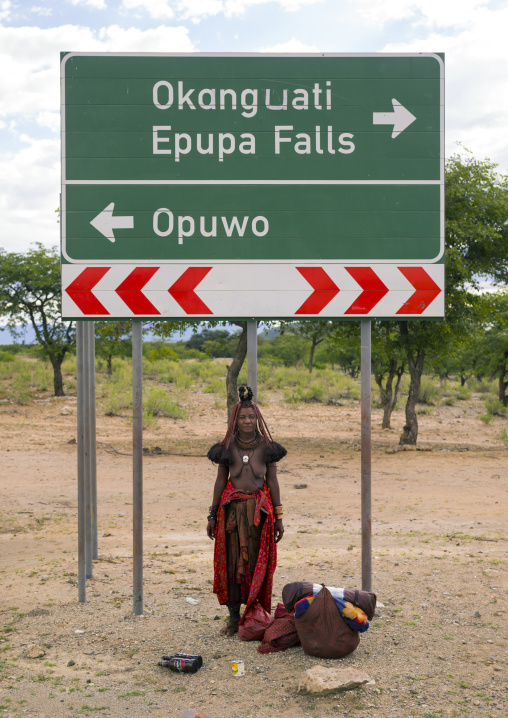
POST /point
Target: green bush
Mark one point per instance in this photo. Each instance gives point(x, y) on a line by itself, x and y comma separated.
point(463, 393)
point(159, 403)
point(160, 351)
point(116, 401)
point(429, 392)
point(20, 387)
point(503, 436)
point(425, 410)
point(495, 407)
point(6, 356)
point(216, 386)
point(324, 386)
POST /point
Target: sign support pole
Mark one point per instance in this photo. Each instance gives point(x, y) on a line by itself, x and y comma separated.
point(252, 357)
point(137, 465)
point(81, 464)
point(93, 438)
point(366, 455)
point(87, 443)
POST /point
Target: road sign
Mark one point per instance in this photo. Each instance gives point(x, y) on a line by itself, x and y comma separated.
point(252, 185)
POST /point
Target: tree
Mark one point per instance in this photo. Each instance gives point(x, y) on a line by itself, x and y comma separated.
point(285, 348)
point(315, 331)
point(112, 339)
point(165, 329)
point(342, 347)
point(30, 293)
point(494, 343)
point(234, 369)
point(476, 238)
point(388, 365)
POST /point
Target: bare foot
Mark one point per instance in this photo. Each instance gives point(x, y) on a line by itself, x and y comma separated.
point(229, 630)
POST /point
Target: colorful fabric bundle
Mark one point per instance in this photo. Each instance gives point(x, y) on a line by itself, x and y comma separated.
point(302, 605)
point(352, 615)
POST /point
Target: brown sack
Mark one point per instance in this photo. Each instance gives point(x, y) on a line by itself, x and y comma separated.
point(322, 630)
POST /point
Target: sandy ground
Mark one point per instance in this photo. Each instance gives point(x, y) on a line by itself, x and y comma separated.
point(438, 647)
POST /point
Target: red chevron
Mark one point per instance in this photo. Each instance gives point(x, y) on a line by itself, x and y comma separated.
point(130, 291)
point(183, 292)
point(373, 290)
point(80, 290)
point(324, 290)
point(426, 290)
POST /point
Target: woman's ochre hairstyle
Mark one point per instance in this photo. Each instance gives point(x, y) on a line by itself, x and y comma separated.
point(246, 402)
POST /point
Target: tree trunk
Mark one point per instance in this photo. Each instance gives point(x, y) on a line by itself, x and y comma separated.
point(56, 363)
point(235, 367)
point(386, 403)
point(410, 431)
point(110, 365)
point(387, 393)
point(311, 355)
point(400, 372)
point(503, 385)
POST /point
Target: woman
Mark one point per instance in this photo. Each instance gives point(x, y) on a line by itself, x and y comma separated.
point(246, 513)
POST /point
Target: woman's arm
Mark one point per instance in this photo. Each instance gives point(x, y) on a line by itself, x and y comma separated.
point(219, 486)
point(273, 484)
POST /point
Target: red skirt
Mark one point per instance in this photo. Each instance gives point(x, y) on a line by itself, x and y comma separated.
point(255, 584)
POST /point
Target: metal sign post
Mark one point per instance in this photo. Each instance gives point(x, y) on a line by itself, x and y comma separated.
point(137, 466)
point(81, 462)
point(366, 452)
point(87, 449)
point(93, 434)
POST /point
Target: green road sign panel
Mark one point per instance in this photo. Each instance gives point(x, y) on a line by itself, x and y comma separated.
point(299, 158)
point(217, 222)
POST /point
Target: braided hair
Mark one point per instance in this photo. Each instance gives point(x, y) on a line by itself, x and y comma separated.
point(220, 454)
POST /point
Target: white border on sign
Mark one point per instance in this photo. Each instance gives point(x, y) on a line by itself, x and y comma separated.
point(199, 262)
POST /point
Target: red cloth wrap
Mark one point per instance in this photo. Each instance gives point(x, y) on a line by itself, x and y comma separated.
point(281, 634)
point(261, 581)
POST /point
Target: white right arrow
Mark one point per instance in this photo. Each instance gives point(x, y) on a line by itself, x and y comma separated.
point(105, 223)
point(400, 118)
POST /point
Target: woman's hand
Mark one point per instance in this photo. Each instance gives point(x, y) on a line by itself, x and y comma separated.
point(278, 530)
point(210, 528)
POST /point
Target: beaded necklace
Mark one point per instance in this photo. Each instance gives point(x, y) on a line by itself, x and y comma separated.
point(246, 446)
point(250, 444)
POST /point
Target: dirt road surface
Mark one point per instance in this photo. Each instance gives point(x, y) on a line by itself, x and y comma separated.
point(438, 646)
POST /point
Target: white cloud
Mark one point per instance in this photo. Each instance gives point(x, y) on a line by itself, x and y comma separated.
point(196, 10)
point(50, 120)
point(430, 13)
point(30, 195)
point(29, 57)
point(156, 9)
point(41, 11)
point(476, 71)
point(290, 46)
point(30, 91)
point(5, 9)
point(96, 4)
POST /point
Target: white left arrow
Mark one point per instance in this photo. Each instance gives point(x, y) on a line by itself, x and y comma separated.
point(105, 223)
point(400, 118)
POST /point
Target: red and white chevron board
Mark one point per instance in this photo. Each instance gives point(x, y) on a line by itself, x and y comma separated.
point(252, 290)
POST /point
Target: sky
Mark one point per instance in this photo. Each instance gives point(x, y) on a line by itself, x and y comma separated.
point(472, 34)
